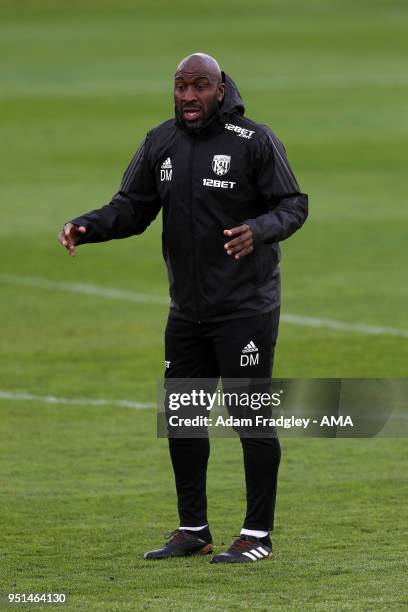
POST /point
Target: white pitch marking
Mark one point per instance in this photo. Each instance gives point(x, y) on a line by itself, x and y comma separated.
point(343, 326)
point(144, 298)
point(106, 292)
point(77, 401)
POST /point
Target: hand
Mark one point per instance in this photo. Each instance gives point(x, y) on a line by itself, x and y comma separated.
point(70, 235)
point(243, 244)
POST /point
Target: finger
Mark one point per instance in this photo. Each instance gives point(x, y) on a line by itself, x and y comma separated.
point(235, 230)
point(68, 227)
point(66, 242)
point(246, 251)
point(240, 246)
point(70, 248)
point(82, 229)
point(244, 233)
point(242, 238)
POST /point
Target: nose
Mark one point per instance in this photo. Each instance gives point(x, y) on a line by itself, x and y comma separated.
point(190, 94)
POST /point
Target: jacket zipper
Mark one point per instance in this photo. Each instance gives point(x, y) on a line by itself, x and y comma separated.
point(193, 234)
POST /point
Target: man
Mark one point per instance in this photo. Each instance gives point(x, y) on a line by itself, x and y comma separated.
point(228, 197)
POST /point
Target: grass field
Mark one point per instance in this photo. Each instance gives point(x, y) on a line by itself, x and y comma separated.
point(86, 489)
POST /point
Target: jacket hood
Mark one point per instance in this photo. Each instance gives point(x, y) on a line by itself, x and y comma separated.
point(232, 102)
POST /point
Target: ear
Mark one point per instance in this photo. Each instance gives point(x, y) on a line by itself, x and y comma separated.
point(220, 92)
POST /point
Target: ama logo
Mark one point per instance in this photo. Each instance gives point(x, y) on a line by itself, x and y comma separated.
point(249, 355)
point(166, 170)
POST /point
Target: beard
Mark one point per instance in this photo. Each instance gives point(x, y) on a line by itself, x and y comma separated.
point(195, 126)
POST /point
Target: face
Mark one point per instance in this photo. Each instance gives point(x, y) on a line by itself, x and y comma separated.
point(196, 95)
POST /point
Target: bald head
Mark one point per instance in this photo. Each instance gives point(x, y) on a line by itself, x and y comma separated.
point(200, 64)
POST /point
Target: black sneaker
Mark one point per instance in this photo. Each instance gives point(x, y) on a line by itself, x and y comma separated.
point(244, 549)
point(181, 544)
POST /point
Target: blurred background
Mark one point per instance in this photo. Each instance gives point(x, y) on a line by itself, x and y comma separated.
point(81, 83)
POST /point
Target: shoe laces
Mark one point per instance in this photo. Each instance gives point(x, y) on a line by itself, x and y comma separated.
point(242, 542)
point(175, 534)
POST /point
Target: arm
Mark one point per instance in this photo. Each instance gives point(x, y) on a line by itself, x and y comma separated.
point(130, 211)
point(277, 186)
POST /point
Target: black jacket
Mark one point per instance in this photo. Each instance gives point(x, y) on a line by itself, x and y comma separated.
point(232, 171)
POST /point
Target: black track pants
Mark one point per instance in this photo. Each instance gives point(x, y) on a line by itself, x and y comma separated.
point(208, 351)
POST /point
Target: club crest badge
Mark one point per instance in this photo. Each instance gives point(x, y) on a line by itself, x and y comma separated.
point(221, 164)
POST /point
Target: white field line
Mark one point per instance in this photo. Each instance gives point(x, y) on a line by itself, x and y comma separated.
point(105, 292)
point(132, 296)
point(360, 328)
point(50, 399)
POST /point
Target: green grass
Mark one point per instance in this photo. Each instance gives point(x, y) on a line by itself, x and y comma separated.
point(85, 490)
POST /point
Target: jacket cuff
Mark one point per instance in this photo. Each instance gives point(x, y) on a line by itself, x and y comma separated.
point(255, 231)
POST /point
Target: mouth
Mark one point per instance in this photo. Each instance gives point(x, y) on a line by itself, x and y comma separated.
point(191, 113)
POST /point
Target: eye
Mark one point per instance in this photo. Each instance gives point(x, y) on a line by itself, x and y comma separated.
point(202, 85)
point(179, 87)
